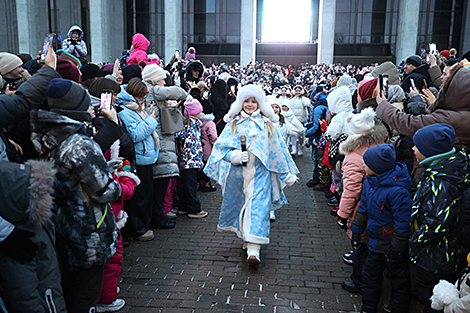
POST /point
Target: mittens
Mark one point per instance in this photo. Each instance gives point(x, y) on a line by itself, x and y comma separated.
point(291, 179)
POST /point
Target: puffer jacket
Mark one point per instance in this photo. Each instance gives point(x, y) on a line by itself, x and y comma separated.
point(140, 130)
point(353, 168)
point(26, 196)
point(85, 226)
point(385, 210)
point(452, 107)
point(208, 135)
point(435, 243)
point(30, 95)
point(190, 146)
point(79, 50)
point(139, 54)
point(300, 105)
point(167, 162)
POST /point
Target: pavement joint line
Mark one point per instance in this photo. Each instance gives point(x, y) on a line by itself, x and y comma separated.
point(228, 300)
point(216, 291)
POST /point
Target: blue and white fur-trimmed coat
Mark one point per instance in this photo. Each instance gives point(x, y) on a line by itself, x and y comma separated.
point(250, 192)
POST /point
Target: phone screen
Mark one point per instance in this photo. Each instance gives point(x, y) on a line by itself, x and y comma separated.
point(206, 94)
point(385, 83)
point(106, 101)
point(412, 82)
point(48, 39)
point(433, 48)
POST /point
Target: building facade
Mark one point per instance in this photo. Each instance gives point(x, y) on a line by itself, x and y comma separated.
point(347, 31)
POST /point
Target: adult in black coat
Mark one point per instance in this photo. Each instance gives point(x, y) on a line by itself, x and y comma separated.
point(221, 107)
point(414, 69)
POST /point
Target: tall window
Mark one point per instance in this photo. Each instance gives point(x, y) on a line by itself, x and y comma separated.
point(147, 17)
point(366, 21)
point(440, 22)
point(286, 22)
point(211, 21)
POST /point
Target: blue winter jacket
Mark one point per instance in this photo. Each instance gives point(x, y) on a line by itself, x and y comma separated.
point(386, 210)
point(139, 129)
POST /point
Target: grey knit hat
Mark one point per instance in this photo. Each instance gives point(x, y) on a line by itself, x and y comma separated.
point(68, 98)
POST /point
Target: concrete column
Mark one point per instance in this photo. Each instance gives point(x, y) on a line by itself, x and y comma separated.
point(117, 30)
point(173, 29)
point(248, 31)
point(465, 40)
point(326, 31)
point(408, 19)
point(100, 34)
point(32, 25)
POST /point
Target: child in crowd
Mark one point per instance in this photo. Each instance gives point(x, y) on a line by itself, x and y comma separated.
point(112, 269)
point(384, 210)
point(289, 116)
point(436, 243)
point(190, 160)
point(208, 138)
point(252, 175)
point(300, 105)
point(364, 131)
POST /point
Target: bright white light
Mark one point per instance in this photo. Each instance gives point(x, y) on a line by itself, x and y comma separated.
point(287, 21)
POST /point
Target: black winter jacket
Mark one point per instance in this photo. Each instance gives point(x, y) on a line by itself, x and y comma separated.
point(435, 243)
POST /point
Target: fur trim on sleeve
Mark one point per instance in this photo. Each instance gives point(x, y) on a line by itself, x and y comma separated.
point(129, 175)
point(41, 189)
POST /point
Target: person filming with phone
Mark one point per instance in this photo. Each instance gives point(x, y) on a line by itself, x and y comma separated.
point(416, 70)
point(75, 44)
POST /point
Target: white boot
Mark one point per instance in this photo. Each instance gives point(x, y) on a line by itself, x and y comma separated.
point(253, 253)
point(299, 150)
point(294, 149)
point(272, 216)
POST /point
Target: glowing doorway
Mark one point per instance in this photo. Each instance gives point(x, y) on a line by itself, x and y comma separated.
point(286, 21)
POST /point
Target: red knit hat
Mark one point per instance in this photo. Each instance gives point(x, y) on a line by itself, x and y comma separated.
point(366, 89)
point(67, 69)
point(445, 53)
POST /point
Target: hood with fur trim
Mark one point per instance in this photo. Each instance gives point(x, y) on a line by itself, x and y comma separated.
point(26, 192)
point(377, 136)
point(75, 27)
point(246, 92)
point(454, 93)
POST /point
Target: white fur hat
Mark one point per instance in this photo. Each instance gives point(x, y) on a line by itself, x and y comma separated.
point(270, 100)
point(246, 92)
point(360, 124)
point(224, 76)
point(153, 73)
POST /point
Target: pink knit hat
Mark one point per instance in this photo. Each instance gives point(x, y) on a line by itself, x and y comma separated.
point(192, 107)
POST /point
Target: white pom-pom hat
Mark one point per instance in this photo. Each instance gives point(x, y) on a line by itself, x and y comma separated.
point(360, 124)
point(246, 92)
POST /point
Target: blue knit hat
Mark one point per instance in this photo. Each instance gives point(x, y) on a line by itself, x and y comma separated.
point(380, 159)
point(68, 98)
point(434, 139)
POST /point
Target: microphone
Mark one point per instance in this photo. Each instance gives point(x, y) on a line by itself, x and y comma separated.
point(243, 143)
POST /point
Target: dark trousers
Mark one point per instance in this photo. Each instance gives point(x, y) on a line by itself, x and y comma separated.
point(139, 207)
point(82, 289)
point(423, 282)
point(359, 257)
point(188, 199)
point(160, 185)
point(372, 276)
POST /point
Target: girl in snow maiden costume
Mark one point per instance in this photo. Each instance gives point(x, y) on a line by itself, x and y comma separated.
point(250, 190)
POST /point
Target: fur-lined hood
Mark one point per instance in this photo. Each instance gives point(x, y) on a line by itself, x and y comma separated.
point(26, 192)
point(454, 93)
point(377, 136)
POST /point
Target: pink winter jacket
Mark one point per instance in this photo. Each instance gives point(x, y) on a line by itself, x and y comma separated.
point(140, 44)
point(353, 168)
point(208, 136)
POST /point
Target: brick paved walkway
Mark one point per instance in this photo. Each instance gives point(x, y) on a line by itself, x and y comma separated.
point(193, 268)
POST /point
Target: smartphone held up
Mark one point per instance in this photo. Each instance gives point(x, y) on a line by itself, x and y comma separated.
point(48, 41)
point(106, 98)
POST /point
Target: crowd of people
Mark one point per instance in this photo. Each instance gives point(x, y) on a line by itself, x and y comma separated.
point(94, 156)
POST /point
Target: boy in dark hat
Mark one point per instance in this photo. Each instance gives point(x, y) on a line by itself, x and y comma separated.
point(384, 211)
point(436, 220)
